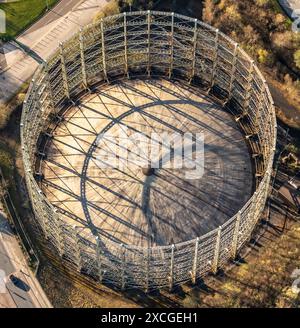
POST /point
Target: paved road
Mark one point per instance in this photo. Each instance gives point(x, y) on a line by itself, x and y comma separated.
point(61, 9)
point(42, 39)
point(289, 6)
point(28, 293)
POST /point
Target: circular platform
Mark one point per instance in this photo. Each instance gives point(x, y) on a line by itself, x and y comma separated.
point(139, 205)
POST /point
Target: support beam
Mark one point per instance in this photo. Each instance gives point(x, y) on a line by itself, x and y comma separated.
point(149, 42)
point(125, 46)
point(194, 51)
point(215, 62)
point(171, 278)
point(269, 187)
point(235, 239)
point(82, 58)
point(49, 87)
point(195, 262)
point(48, 135)
point(260, 200)
point(239, 117)
point(103, 51)
point(172, 47)
point(232, 73)
point(255, 155)
point(41, 155)
point(77, 249)
point(99, 259)
point(35, 92)
point(249, 88)
point(64, 72)
point(260, 106)
point(59, 232)
point(253, 218)
point(37, 201)
point(217, 252)
point(250, 135)
point(37, 99)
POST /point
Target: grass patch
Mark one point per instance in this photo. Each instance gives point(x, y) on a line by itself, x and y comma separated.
point(21, 14)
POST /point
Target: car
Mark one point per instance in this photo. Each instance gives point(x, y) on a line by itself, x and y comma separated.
point(15, 280)
point(18, 282)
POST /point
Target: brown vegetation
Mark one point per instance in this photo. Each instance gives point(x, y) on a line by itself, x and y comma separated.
point(265, 33)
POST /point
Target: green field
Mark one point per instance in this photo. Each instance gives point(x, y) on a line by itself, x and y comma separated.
point(21, 14)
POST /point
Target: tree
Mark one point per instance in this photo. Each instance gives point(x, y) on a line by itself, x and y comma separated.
point(297, 58)
point(263, 55)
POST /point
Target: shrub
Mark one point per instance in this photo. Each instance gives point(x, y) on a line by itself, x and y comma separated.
point(251, 37)
point(291, 87)
point(208, 11)
point(263, 55)
point(297, 58)
point(283, 39)
point(262, 3)
point(233, 12)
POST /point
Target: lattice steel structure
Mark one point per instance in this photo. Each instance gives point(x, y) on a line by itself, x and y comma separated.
point(133, 45)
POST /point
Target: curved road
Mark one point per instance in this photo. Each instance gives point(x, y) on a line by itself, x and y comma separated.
point(28, 294)
point(42, 39)
point(289, 6)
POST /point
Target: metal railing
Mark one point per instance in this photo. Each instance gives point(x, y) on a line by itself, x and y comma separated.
point(158, 44)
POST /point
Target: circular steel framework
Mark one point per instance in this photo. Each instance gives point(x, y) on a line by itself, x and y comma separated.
point(137, 45)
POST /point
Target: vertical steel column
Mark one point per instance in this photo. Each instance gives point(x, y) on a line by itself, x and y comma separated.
point(215, 63)
point(248, 88)
point(149, 42)
point(40, 211)
point(123, 267)
point(236, 232)
point(217, 251)
point(260, 204)
point(59, 232)
point(82, 57)
point(64, 71)
point(195, 263)
point(49, 87)
point(38, 105)
point(259, 116)
point(171, 278)
point(77, 249)
point(103, 51)
point(125, 45)
point(261, 103)
point(99, 259)
point(252, 215)
point(194, 51)
point(233, 69)
point(268, 186)
point(36, 95)
point(172, 47)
